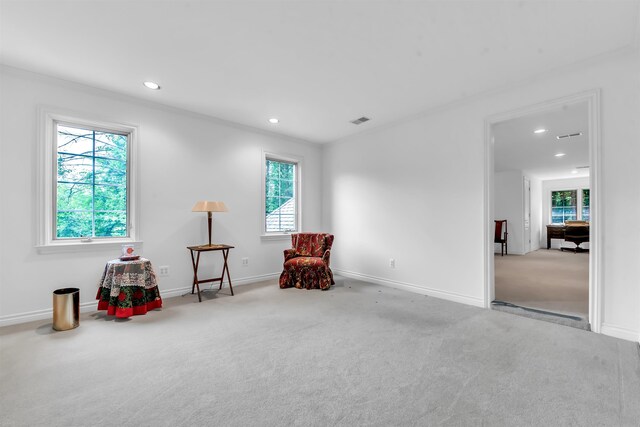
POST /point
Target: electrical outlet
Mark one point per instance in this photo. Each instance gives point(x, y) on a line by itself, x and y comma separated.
point(163, 270)
point(392, 263)
point(245, 262)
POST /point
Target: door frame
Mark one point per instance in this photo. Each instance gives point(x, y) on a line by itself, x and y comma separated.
point(526, 202)
point(592, 97)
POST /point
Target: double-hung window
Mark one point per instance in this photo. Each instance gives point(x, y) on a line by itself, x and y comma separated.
point(281, 195)
point(87, 182)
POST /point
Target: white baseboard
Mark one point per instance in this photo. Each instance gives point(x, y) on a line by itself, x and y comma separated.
point(422, 290)
point(256, 279)
point(176, 292)
point(30, 316)
point(619, 332)
point(85, 307)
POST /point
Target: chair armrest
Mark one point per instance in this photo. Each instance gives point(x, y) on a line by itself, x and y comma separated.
point(288, 254)
point(326, 256)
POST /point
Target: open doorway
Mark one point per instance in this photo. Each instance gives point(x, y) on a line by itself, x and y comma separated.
point(541, 179)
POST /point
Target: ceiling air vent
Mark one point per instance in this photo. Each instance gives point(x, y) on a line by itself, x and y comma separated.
point(360, 120)
point(569, 135)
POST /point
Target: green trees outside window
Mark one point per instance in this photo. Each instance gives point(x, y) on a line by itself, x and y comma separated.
point(280, 196)
point(565, 206)
point(91, 188)
point(586, 212)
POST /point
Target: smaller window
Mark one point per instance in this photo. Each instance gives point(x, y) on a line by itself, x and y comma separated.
point(281, 183)
point(586, 213)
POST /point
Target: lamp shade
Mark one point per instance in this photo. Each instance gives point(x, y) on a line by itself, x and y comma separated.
point(204, 206)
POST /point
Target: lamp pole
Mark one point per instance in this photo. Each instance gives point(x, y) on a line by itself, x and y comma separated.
point(209, 221)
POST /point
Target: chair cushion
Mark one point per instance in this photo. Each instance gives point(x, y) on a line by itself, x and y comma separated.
point(302, 261)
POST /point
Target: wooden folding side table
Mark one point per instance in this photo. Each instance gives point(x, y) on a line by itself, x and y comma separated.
point(195, 260)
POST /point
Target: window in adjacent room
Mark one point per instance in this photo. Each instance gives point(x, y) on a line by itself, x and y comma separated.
point(569, 205)
point(585, 204)
point(564, 206)
point(86, 181)
point(281, 188)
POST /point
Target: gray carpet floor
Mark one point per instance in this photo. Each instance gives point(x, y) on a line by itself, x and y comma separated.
point(358, 354)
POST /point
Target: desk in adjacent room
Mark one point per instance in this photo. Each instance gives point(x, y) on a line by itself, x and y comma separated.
point(128, 288)
point(555, 231)
point(195, 261)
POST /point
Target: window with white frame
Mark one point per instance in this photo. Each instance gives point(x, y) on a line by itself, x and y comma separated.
point(281, 195)
point(569, 205)
point(87, 185)
point(586, 208)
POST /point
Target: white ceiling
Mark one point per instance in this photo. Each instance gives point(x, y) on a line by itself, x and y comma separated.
point(517, 147)
point(315, 65)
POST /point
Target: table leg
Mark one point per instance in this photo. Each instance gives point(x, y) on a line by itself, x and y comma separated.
point(196, 282)
point(195, 276)
point(225, 254)
point(223, 267)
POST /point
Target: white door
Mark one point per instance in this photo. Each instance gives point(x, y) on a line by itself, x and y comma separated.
point(527, 215)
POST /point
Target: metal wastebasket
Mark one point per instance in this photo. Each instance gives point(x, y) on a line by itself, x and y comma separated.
point(66, 309)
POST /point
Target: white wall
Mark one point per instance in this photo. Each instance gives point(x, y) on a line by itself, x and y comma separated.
point(553, 185)
point(430, 171)
point(508, 205)
point(183, 158)
point(536, 213)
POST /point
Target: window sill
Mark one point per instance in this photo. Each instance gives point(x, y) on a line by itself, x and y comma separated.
point(277, 236)
point(79, 246)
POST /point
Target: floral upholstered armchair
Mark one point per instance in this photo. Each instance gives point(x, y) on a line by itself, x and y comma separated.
point(306, 264)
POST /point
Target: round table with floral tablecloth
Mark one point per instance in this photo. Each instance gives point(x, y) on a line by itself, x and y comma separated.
point(128, 288)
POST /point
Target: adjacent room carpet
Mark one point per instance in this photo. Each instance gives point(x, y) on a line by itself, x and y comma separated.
point(357, 354)
point(549, 280)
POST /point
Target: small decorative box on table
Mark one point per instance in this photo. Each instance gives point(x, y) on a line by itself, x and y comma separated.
point(128, 287)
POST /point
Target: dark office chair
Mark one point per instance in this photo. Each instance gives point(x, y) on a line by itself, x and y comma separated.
point(501, 236)
point(576, 232)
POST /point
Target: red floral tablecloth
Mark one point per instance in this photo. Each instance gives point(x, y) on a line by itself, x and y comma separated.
point(128, 288)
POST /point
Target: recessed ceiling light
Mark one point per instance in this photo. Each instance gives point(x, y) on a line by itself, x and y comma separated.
point(574, 171)
point(539, 131)
point(560, 155)
point(274, 121)
point(151, 85)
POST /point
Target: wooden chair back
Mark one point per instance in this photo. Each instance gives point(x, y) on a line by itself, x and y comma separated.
point(501, 235)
